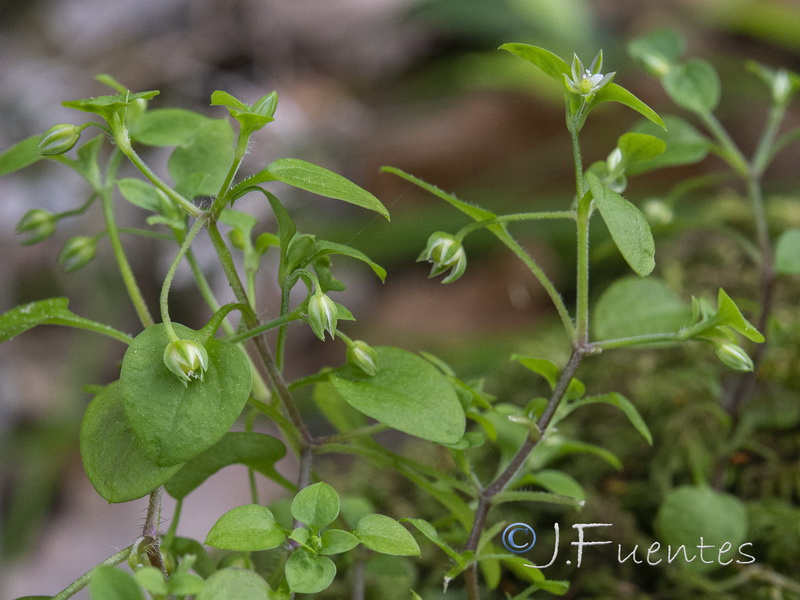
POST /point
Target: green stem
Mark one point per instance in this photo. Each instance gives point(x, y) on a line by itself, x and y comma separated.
point(516, 217)
point(82, 581)
point(164, 300)
point(81, 323)
point(729, 150)
point(577, 160)
point(135, 294)
point(279, 322)
point(264, 352)
point(169, 537)
point(241, 148)
point(582, 305)
point(123, 141)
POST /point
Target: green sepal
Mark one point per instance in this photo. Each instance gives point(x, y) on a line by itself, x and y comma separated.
point(107, 106)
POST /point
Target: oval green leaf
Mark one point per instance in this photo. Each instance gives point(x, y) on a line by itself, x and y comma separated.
point(199, 168)
point(317, 505)
point(114, 460)
point(689, 512)
point(385, 535)
point(246, 529)
point(234, 583)
point(633, 306)
point(336, 541)
point(408, 393)
point(258, 451)
point(308, 574)
point(628, 226)
point(787, 253)
point(693, 86)
point(108, 583)
point(174, 422)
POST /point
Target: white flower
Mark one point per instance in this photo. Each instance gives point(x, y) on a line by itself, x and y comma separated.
point(587, 82)
point(186, 359)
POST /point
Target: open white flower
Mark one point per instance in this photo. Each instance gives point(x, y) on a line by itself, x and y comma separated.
point(587, 82)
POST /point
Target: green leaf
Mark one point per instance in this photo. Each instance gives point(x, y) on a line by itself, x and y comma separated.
point(689, 512)
point(106, 106)
point(167, 127)
point(336, 541)
point(558, 482)
point(684, 144)
point(20, 155)
point(115, 461)
point(176, 422)
point(200, 167)
point(658, 50)
point(324, 248)
point(151, 579)
point(693, 86)
point(385, 535)
point(317, 505)
point(257, 451)
point(318, 180)
point(142, 194)
point(203, 565)
point(554, 66)
point(52, 311)
point(246, 528)
point(429, 531)
point(308, 574)
point(534, 496)
point(227, 584)
point(787, 253)
point(616, 93)
point(639, 147)
point(407, 393)
point(613, 399)
point(633, 306)
point(476, 212)
point(541, 366)
point(730, 315)
point(108, 583)
point(628, 226)
point(222, 98)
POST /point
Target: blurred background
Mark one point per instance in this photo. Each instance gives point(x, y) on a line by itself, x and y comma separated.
point(416, 84)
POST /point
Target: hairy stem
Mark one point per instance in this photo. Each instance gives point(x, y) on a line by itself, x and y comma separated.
point(82, 581)
point(502, 481)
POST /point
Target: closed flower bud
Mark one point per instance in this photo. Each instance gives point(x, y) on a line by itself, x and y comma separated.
point(186, 359)
point(322, 314)
point(733, 356)
point(38, 224)
point(445, 252)
point(59, 139)
point(77, 252)
point(363, 356)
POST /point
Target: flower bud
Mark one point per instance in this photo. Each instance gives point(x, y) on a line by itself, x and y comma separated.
point(445, 252)
point(186, 359)
point(733, 356)
point(658, 212)
point(322, 314)
point(781, 87)
point(38, 223)
point(59, 139)
point(363, 356)
point(77, 252)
